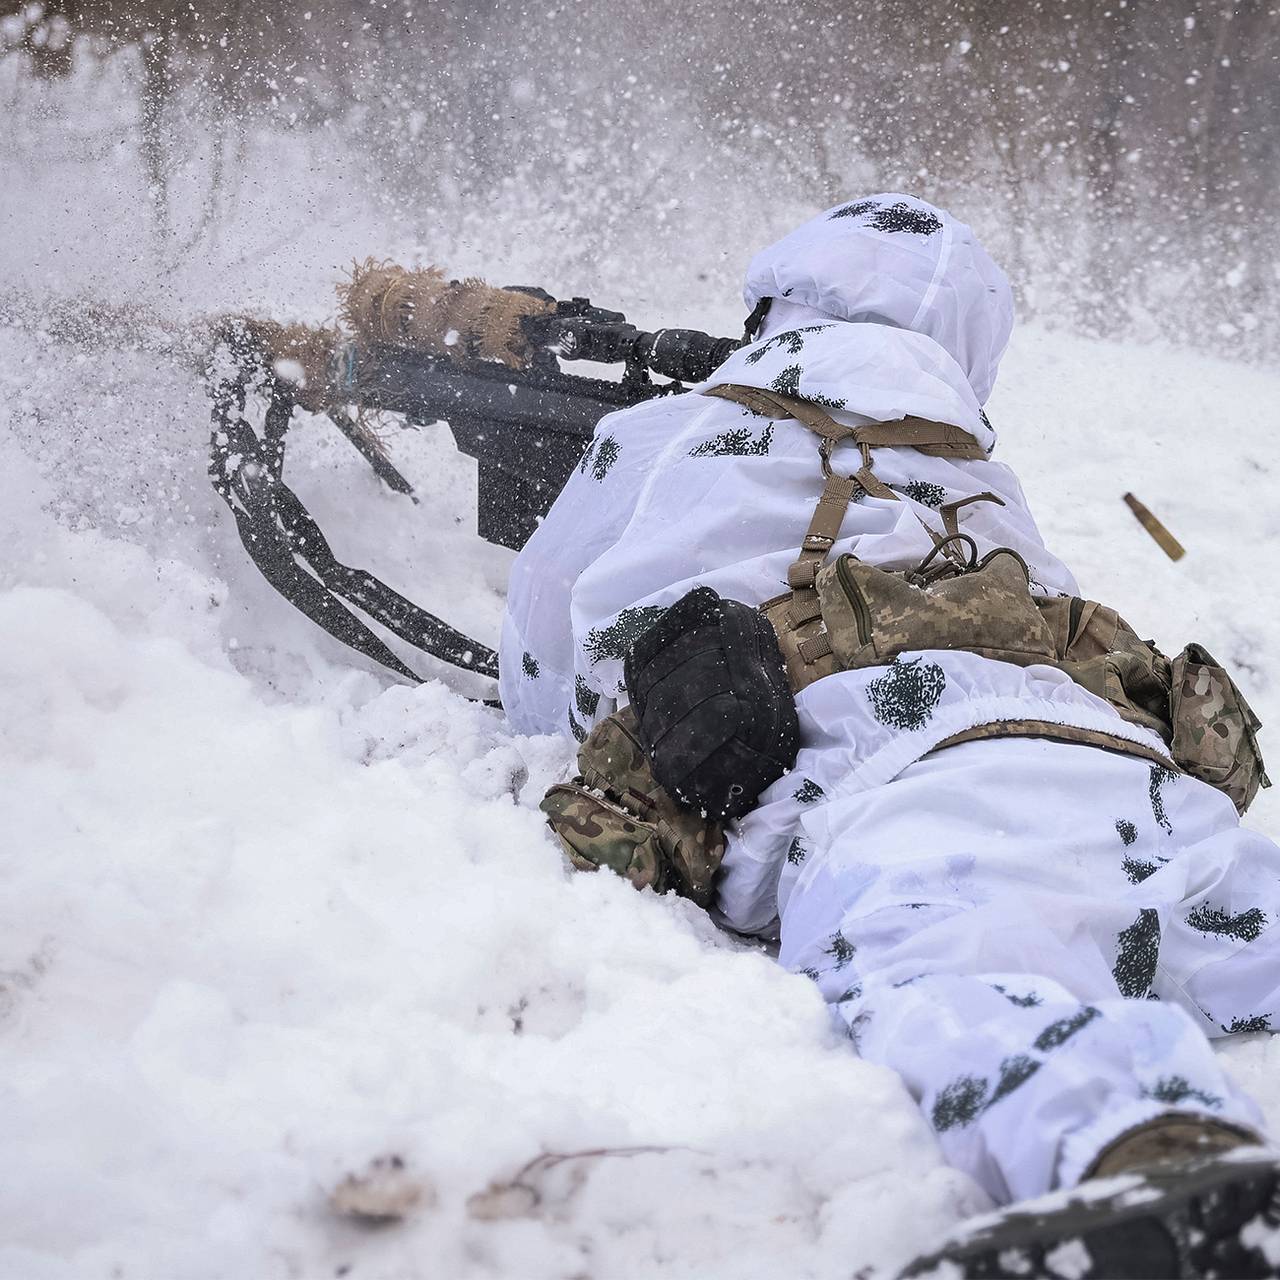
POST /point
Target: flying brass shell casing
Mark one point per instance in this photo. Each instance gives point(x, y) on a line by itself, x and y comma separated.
point(1167, 542)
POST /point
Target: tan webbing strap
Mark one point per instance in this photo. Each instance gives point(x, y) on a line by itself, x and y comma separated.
point(870, 482)
point(824, 529)
point(837, 493)
point(1055, 733)
point(772, 404)
point(805, 607)
point(824, 526)
point(938, 439)
point(815, 647)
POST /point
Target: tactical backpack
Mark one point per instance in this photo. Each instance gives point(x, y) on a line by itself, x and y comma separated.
point(847, 614)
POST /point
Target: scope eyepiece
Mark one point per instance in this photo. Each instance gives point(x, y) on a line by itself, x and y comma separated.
point(687, 355)
point(576, 330)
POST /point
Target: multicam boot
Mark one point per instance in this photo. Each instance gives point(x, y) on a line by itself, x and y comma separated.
point(1199, 1198)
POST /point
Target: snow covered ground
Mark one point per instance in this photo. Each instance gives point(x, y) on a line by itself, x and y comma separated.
point(267, 917)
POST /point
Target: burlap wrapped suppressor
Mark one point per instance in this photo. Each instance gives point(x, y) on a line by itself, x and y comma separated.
point(466, 319)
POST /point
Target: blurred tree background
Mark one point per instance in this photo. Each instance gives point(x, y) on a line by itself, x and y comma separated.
point(1121, 157)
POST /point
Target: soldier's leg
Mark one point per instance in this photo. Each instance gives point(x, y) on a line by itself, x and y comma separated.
point(979, 930)
point(1024, 1080)
point(1202, 943)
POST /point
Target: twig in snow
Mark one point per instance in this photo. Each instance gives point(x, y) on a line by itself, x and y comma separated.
point(519, 1197)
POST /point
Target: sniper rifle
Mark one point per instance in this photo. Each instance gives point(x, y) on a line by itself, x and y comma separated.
point(484, 361)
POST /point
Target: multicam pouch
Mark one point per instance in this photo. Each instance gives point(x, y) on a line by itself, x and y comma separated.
point(615, 815)
point(1214, 728)
point(1084, 629)
point(1099, 650)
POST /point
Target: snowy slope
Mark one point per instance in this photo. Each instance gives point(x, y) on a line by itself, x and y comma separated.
point(268, 918)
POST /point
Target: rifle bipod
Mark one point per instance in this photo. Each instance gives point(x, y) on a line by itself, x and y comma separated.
point(282, 538)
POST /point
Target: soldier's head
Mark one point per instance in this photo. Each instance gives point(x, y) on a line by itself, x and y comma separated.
point(892, 259)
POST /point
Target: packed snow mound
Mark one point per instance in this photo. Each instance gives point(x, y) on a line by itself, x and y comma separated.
point(253, 945)
point(269, 919)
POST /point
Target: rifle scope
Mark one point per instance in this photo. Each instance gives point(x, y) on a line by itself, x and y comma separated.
point(578, 331)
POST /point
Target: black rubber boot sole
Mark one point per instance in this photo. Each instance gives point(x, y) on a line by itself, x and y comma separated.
point(1218, 1217)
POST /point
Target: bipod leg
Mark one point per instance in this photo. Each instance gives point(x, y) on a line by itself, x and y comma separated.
point(278, 532)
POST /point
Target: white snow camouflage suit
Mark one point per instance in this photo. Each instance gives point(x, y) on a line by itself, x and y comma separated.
point(1040, 937)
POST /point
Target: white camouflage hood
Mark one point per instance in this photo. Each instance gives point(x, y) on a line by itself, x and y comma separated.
point(895, 260)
